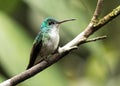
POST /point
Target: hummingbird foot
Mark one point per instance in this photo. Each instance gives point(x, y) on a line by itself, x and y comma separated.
point(68, 48)
point(46, 59)
point(56, 51)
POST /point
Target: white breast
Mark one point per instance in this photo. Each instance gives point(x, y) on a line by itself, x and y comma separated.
point(54, 38)
point(51, 44)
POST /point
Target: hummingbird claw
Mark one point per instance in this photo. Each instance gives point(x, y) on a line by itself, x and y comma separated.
point(46, 59)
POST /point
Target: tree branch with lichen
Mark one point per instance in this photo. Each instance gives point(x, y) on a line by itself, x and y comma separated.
point(82, 38)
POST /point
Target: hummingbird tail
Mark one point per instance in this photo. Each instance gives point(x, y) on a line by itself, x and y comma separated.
point(31, 65)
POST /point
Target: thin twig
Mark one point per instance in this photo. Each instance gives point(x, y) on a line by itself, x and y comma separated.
point(107, 18)
point(95, 39)
point(89, 29)
point(97, 10)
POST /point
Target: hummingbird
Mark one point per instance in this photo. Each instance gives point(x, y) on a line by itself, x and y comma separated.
point(46, 41)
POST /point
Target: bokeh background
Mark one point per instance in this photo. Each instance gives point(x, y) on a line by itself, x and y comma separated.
point(93, 64)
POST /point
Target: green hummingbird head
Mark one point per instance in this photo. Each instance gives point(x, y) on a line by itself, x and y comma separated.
point(50, 23)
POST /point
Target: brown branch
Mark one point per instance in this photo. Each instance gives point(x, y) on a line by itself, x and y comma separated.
point(97, 10)
point(95, 39)
point(78, 40)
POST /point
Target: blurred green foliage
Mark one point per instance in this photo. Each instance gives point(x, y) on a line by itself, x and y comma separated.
point(93, 64)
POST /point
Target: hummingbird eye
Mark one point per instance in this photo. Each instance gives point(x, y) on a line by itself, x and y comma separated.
point(51, 23)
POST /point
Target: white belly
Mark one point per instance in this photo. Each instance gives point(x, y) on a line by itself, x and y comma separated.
point(48, 46)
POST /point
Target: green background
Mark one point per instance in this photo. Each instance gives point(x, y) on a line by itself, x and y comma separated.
point(93, 64)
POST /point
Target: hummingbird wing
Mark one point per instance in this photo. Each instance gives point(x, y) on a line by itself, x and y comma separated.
point(35, 50)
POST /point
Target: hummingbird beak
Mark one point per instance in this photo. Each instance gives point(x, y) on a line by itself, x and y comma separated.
point(66, 21)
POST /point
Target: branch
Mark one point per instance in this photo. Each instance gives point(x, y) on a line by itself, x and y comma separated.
point(95, 39)
point(93, 26)
point(97, 10)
